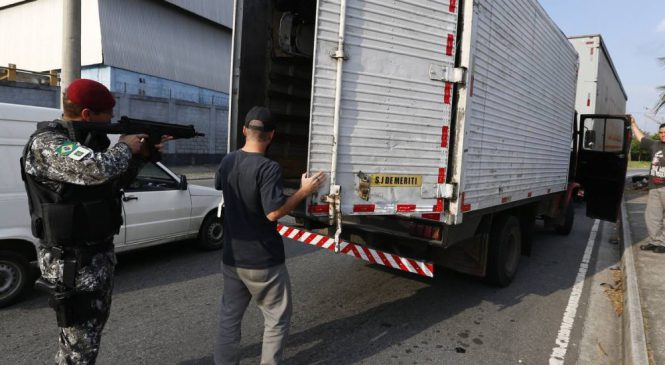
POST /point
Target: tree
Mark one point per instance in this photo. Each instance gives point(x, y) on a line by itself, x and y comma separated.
point(637, 153)
point(661, 99)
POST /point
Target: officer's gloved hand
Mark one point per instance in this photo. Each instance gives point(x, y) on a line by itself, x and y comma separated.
point(134, 141)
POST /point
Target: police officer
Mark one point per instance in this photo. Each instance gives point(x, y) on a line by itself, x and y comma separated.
point(73, 182)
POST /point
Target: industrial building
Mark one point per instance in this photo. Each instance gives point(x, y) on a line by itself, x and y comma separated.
point(165, 60)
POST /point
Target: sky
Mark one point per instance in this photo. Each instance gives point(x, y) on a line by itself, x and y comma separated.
point(634, 33)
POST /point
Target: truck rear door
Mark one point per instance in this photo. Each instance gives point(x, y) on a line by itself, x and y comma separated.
point(604, 143)
point(395, 108)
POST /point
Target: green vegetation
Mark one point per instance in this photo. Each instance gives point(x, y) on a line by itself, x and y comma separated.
point(638, 154)
point(638, 164)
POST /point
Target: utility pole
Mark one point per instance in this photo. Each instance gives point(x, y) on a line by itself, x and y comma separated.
point(71, 42)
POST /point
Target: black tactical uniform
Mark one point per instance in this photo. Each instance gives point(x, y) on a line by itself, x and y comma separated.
point(73, 185)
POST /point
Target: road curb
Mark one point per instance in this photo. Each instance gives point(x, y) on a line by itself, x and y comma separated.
point(634, 339)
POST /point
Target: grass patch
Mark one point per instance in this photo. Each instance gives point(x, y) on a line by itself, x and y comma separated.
point(639, 164)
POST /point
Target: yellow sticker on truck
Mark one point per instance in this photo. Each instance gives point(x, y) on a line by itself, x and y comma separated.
point(396, 180)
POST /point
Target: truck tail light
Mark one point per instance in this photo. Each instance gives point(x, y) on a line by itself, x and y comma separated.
point(318, 209)
point(425, 231)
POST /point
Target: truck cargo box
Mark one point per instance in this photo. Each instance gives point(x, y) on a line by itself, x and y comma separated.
point(437, 107)
point(599, 88)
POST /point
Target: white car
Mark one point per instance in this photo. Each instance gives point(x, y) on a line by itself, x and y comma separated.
point(158, 207)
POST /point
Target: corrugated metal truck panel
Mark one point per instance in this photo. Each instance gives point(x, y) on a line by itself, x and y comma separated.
point(518, 116)
point(392, 113)
point(599, 89)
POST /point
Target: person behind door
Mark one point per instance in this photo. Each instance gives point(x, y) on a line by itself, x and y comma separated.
point(253, 255)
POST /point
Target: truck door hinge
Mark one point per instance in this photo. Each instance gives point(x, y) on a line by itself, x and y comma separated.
point(455, 75)
point(334, 199)
point(338, 53)
point(447, 191)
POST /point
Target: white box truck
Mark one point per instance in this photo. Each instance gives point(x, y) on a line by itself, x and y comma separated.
point(599, 88)
point(444, 127)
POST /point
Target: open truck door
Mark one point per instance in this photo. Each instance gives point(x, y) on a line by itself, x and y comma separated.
point(602, 160)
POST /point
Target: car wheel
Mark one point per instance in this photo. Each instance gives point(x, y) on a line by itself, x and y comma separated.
point(14, 277)
point(211, 234)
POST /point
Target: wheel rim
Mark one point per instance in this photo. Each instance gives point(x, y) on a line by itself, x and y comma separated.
point(215, 231)
point(9, 278)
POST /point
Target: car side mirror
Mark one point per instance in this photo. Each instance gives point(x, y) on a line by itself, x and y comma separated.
point(183, 183)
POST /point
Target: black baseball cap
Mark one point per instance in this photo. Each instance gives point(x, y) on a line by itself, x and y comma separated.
point(260, 119)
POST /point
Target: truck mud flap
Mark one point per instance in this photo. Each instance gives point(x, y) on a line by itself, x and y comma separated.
point(358, 251)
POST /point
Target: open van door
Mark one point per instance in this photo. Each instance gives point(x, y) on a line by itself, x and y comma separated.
point(602, 160)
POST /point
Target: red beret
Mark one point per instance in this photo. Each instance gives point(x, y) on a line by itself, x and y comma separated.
point(90, 94)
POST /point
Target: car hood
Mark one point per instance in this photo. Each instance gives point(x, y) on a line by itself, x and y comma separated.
point(198, 190)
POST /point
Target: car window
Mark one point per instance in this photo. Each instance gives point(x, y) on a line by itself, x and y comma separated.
point(152, 178)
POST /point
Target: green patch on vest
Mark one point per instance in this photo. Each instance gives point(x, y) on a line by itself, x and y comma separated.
point(66, 148)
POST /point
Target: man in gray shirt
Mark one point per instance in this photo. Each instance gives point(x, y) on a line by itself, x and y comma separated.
point(253, 257)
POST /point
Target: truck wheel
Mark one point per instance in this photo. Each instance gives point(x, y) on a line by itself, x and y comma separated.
point(505, 249)
point(14, 277)
point(211, 234)
point(569, 218)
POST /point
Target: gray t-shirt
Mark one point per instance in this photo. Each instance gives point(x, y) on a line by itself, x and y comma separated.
point(657, 171)
point(252, 188)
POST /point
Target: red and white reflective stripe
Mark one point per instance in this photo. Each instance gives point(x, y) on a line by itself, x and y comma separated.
point(453, 4)
point(358, 251)
point(450, 44)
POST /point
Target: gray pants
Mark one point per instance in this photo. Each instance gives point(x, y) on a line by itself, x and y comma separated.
point(271, 289)
point(655, 216)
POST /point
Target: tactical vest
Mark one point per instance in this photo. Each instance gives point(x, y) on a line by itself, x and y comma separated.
point(78, 215)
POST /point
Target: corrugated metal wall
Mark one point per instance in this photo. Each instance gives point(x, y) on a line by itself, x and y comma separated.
point(598, 89)
point(153, 38)
point(219, 11)
point(588, 74)
point(207, 118)
point(518, 128)
point(149, 37)
point(392, 113)
point(610, 98)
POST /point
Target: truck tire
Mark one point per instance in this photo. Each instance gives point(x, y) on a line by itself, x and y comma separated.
point(505, 249)
point(14, 277)
point(211, 234)
point(566, 225)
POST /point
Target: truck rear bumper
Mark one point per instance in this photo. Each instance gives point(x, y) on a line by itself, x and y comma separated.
point(358, 251)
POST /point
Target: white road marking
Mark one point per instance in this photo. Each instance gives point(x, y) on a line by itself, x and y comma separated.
point(559, 351)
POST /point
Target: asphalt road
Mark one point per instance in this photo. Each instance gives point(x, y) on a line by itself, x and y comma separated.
point(345, 311)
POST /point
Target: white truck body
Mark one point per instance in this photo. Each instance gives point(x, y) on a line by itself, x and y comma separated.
point(599, 88)
point(445, 107)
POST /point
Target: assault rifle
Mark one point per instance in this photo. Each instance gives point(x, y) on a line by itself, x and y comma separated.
point(126, 125)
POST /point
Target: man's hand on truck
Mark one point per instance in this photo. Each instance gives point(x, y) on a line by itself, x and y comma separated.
point(308, 185)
